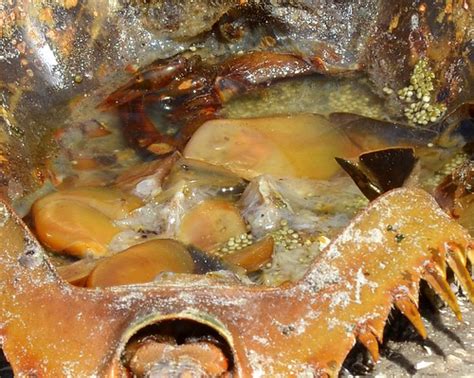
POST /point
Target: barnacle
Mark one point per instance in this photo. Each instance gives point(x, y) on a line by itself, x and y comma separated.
point(346, 296)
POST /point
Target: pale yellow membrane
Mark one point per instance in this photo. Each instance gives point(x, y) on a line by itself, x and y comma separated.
point(298, 146)
point(79, 221)
point(142, 263)
point(210, 224)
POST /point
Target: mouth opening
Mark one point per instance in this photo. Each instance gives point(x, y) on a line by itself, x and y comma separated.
point(177, 347)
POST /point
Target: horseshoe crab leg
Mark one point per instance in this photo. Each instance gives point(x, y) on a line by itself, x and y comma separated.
point(51, 328)
point(194, 92)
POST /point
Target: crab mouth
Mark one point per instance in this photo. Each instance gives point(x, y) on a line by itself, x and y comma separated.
point(190, 341)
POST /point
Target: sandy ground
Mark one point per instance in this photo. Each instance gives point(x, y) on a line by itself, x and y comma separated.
point(447, 352)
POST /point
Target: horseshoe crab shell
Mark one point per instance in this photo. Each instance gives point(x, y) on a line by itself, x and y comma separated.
point(52, 56)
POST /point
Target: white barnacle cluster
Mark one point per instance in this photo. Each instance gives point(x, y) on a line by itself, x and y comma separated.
point(420, 106)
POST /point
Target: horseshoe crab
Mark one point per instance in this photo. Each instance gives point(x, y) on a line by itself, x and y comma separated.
point(198, 319)
point(346, 296)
